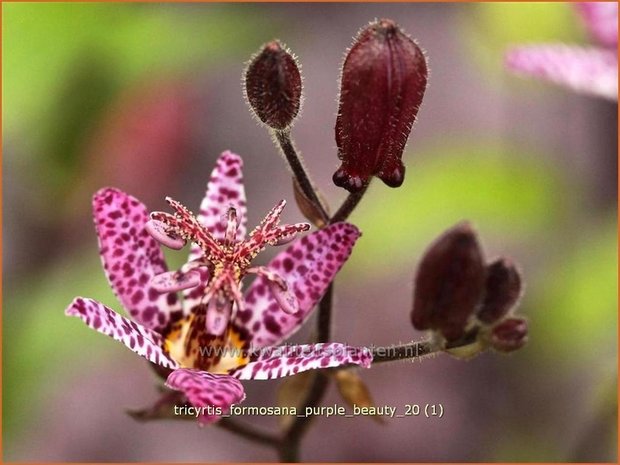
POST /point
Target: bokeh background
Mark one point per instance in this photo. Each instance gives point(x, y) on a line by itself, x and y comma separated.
point(145, 96)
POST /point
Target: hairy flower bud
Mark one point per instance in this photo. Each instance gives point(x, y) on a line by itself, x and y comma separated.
point(503, 288)
point(449, 283)
point(273, 86)
point(382, 85)
point(509, 335)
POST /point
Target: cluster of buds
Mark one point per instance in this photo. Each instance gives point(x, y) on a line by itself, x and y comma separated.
point(460, 297)
point(272, 86)
point(382, 84)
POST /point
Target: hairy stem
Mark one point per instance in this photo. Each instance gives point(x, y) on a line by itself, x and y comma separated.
point(289, 449)
point(288, 445)
point(418, 349)
point(348, 205)
point(284, 140)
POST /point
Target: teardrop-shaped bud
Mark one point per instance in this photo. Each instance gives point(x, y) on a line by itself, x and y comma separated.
point(382, 85)
point(449, 283)
point(273, 86)
point(503, 288)
point(509, 335)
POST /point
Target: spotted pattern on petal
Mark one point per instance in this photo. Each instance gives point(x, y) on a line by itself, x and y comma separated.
point(131, 258)
point(137, 338)
point(276, 362)
point(308, 265)
point(225, 189)
point(204, 389)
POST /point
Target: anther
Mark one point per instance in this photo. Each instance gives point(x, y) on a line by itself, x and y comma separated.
point(161, 233)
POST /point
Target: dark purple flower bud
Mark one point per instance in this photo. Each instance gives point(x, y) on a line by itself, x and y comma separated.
point(503, 289)
point(381, 89)
point(449, 283)
point(510, 334)
point(273, 86)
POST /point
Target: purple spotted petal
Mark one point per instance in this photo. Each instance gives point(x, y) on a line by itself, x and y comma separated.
point(601, 19)
point(225, 189)
point(204, 390)
point(276, 362)
point(591, 70)
point(139, 339)
point(308, 266)
point(131, 258)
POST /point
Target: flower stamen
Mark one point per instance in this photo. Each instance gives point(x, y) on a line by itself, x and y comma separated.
point(280, 289)
point(232, 224)
point(228, 261)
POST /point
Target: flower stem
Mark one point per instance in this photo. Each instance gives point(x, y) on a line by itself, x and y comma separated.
point(249, 432)
point(289, 449)
point(418, 349)
point(291, 440)
point(348, 205)
point(288, 445)
point(285, 141)
point(325, 315)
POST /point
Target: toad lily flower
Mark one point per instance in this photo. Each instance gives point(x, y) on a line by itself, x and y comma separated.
point(215, 336)
point(589, 70)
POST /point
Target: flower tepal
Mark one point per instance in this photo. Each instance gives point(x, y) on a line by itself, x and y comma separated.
point(591, 69)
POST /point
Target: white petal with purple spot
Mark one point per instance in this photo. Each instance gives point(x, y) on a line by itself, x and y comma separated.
point(276, 362)
point(137, 338)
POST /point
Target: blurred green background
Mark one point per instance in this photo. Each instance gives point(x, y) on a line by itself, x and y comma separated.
point(145, 96)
